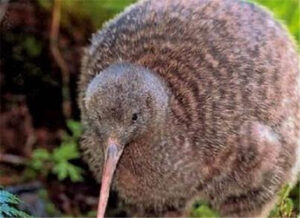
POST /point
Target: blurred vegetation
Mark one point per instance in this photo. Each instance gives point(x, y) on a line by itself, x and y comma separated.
point(8, 205)
point(97, 11)
point(58, 162)
point(285, 205)
point(202, 209)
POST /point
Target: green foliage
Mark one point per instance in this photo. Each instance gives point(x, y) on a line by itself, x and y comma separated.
point(39, 158)
point(59, 161)
point(96, 11)
point(67, 151)
point(201, 209)
point(8, 204)
point(6, 197)
point(285, 205)
point(295, 196)
point(65, 169)
point(75, 128)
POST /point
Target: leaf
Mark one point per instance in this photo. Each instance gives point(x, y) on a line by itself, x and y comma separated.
point(75, 173)
point(67, 151)
point(60, 170)
point(284, 205)
point(6, 209)
point(65, 170)
point(284, 192)
point(41, 153)
point(274, 212)
point(75, 128)
point(203, 210)
point(9, 211)
point(39, 157)
point(6, 197)
point(58, 161)
point(288, 207)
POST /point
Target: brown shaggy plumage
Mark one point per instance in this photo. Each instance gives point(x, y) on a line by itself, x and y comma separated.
point(216, 86)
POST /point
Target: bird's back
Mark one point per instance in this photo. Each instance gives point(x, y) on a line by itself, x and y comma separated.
point(224, 61)
point(229, 66)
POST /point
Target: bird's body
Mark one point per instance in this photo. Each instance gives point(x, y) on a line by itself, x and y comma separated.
point(224, 88)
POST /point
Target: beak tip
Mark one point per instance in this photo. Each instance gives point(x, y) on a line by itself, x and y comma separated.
point(112, 155)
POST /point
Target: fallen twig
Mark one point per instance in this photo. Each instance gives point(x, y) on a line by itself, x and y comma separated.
point(3, 8)
point(59, 59)
point(12, 159)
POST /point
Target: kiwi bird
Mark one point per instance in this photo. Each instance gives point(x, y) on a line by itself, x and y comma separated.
point(187, 100)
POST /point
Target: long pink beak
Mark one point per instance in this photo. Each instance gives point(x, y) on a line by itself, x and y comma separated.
point(112, 156)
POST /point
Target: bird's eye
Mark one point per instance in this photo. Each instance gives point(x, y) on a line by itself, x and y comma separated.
point(134, 117)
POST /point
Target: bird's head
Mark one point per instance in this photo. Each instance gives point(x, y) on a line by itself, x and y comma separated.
point(122, 103)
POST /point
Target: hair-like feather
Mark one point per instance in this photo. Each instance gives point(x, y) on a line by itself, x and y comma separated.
point(231, 133)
